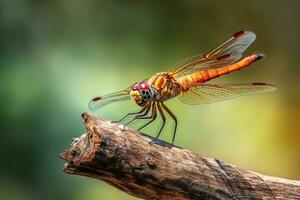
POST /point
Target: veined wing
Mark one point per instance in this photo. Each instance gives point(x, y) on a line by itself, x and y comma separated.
point(225, 54)
point(212, 93)
point(100, 101)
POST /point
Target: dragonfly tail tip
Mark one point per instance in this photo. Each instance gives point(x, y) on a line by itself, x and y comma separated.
point(260, 56)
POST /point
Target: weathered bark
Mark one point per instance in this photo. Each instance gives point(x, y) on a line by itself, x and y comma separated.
point(132, 163)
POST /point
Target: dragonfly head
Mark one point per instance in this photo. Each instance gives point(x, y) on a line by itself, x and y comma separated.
point(142, 92)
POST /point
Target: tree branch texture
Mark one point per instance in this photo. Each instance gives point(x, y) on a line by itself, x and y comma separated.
point(133, 163)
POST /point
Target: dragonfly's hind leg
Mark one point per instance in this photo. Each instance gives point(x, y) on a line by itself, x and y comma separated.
point(174, 118)
point(162, 114)
point(133, 113)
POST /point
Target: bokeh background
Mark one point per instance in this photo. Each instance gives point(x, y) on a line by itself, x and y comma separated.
point(56, 55)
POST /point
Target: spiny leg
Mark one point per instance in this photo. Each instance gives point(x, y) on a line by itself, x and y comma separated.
point(174, 118)
point(133, 113)
point(152, 117)
point(147, 109)
point(162, 114)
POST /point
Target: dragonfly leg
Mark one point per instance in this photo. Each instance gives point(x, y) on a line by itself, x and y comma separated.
point(152, 117)
point(162, 114)
point(133, 113)
point(147, 109)
point(174, 118)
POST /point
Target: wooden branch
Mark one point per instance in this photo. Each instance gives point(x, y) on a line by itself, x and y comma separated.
point(132, 163)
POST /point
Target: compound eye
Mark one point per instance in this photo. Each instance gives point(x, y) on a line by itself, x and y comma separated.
point(143, 86)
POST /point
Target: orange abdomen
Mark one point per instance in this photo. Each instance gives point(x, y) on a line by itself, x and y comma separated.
point(196, 78)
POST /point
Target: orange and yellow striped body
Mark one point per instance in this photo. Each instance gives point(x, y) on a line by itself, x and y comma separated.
point(202, 76)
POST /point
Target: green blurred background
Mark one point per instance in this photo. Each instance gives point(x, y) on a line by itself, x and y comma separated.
point(56, 55)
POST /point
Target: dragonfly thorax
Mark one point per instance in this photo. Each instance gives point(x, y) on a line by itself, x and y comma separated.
point(142, 92)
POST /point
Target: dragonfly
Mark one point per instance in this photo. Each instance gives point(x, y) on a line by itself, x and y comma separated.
point(188, 81)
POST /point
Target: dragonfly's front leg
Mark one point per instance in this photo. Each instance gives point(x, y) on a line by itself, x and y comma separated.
point(134, 113)
point(152, 117)
point(147, 109)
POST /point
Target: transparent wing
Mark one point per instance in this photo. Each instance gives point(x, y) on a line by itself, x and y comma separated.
point(225, 54)
point(100, 101)
point(212, 93)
